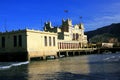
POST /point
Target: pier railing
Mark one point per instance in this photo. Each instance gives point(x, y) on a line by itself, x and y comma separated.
point(79, 49)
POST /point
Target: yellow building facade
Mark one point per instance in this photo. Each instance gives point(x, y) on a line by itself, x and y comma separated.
point(68, 34)
point(41, 44)
point(35, 43)
point(32, 43)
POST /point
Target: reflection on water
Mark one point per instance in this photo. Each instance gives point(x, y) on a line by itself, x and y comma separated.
point(88, 67)
point(58, 68)
point(92, 67)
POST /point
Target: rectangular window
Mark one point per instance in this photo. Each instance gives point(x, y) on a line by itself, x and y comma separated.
point(20, 40)
point(45, 40)
point(15, 41)
point(49, 41)
point(53, 41)
point(3, 42)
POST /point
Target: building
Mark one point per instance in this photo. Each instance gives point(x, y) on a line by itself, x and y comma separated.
point(107, 45)
point(68, 35)
point(29, 43)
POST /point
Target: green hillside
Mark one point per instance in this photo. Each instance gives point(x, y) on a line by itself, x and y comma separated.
point(110, 33)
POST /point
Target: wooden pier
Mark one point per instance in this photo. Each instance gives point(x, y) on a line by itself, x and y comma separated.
point(75, 52)
point(105, 50)
point(61, 53)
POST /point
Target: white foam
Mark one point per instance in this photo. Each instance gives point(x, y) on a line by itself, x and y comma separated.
point(14, 64)
point(113, 57)
point(5, 67)
point(21, 63)
point(119, 56)
point(106, 58)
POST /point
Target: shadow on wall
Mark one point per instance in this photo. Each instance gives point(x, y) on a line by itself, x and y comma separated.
point(13, 57)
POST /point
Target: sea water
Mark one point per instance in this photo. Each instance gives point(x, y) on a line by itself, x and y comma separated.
point(85, 67)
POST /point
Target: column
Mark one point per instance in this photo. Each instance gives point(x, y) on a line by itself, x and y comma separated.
point(73, 53)
point(67, 54)
point(44, 57)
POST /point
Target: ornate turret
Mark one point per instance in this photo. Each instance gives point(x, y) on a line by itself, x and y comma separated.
point(47, 26)
point(81, 26)
point(66, 24)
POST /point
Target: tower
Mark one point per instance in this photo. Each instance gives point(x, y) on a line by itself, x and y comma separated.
point(81, 27)
point(47, 26)
point(66, 25)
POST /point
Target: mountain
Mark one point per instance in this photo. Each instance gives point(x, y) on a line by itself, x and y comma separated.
point(110, 33)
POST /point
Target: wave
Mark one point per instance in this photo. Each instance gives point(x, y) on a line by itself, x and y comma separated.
point(13, 64)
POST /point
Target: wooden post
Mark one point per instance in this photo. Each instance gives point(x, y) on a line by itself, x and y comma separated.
point(79, 53)
point(67, 54)
point(56, 56)
point(44, 57)
point(28, 57)
point(73, 53)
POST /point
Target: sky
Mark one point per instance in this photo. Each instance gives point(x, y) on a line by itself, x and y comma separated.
point(32, 14)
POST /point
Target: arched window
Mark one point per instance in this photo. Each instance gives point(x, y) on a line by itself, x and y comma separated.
point(3, 42)
point(50, 43)
point(15, 40)
point(73, 36)
point(77, 36)
point(20, 40)
point(45, 39)
point(53, 41)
